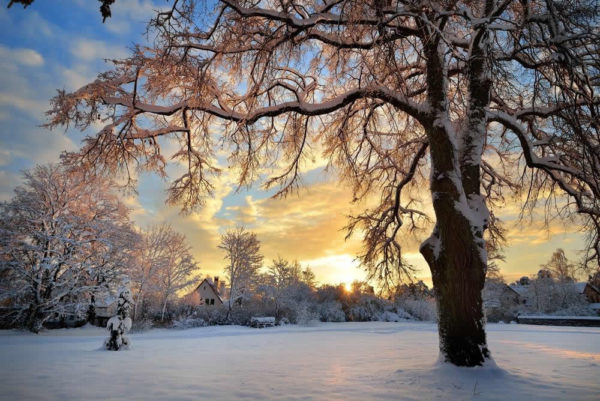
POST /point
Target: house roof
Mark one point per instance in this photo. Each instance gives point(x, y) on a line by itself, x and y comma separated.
point(581, 287)
point(212, 287)
point(519, 289)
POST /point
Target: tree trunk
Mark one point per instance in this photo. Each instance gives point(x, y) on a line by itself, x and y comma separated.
point(458, 277)
point(455, 253)
point(164, 308)
point(138, 304)
point(228, 316)
point(91, 312)
point(33, 321)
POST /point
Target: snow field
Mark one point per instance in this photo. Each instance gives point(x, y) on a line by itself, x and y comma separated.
point(330, 361)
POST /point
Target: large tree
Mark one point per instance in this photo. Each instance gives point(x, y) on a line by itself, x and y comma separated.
point(481, 98)
point(63, 239)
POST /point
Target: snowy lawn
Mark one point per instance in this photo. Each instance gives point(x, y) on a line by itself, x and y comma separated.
point(334, 361)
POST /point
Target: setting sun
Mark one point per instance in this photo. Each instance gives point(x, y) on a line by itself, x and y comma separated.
point(348, 287)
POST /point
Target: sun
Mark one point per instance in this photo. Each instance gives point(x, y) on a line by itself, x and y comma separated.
point(348, 287)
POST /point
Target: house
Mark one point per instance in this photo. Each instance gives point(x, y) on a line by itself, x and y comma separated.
point(522, 290)
point(209, 292)
point(591, 292)
point(105, 307)
point(500, 301)
point(499, 295)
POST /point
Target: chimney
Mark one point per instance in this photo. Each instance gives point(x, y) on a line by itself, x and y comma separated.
point(216, 282)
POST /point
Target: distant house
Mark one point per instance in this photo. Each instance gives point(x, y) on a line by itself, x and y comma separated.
point(499, 295)
point(105, 308)
point(209, 292)
point(591, 292)
point(522, 291)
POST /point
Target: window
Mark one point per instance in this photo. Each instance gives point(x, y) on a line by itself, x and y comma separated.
point(207, 301)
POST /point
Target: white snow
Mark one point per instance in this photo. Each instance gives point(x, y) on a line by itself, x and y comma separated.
point(335, 361)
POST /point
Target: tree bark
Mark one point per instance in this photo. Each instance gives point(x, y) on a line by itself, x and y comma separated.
point(458, 277)
point(33, 321)
point(455, 253)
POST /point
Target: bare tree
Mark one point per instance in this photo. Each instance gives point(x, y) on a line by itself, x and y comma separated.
point(164, 265)
point(149, 259)
point(560, 267)
point(63, 238)
point(482, 99)
point(242, 251)
point(178, 270)
point(287, 284)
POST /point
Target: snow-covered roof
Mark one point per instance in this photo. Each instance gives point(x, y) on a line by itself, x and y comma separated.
point(580, 287)
point(519, 289)
point(105, 302)
point(212, 286)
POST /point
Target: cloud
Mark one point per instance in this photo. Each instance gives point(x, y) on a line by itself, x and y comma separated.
point(22, 56)
point(30, 106)
point(20, 87)
point(93, 50)
point(308, 225)
point(30, 24)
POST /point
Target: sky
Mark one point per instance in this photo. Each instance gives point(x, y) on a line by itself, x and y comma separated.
point(63, 45)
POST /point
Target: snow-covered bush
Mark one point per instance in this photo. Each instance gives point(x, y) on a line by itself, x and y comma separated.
point(120, 324)
point(189, 323)
point(420, 308)
point(212, 315)
point(547, 295)
point(389, 316)
point(142, 324)
point(367, 308)
point(395, 315)
point(305, 314)
point(331, 311)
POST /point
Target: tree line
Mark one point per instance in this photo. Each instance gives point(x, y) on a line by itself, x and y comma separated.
point(68, 247)
point(67, 244)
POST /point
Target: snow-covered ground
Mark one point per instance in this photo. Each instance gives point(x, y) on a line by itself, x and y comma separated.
point(335, 361)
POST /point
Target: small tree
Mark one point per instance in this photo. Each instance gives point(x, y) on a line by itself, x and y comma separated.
point(177, 271)
point(559, 266)
point(120, 324)
point(289, 287)
point(242, 251)
point(163, 266)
